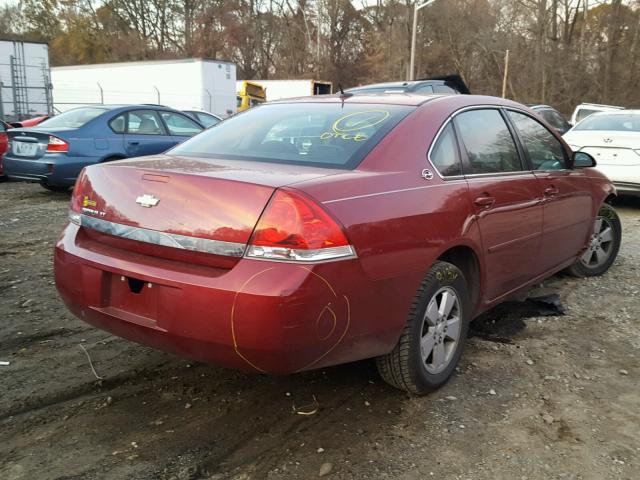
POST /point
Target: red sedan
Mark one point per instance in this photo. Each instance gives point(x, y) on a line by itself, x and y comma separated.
point(320, 231)
point(4, 143)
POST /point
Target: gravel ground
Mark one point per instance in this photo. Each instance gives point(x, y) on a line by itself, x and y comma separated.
point(534, 397)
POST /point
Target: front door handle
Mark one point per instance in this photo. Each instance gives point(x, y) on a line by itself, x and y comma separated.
point(134, 143)
point(484, 201)
point(551, 191)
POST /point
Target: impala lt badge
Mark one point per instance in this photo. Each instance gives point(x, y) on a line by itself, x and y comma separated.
point(147, 200)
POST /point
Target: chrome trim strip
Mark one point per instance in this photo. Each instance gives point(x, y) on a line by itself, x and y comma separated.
point(173, 240)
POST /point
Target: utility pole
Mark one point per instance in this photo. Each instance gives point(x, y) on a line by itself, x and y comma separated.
point(506, 74)
point(413, 35)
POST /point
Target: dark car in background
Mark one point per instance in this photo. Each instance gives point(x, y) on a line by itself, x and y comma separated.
point(54, 152)
point(552, 117)
point(426, 86)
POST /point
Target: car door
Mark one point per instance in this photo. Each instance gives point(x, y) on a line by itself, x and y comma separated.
point(179, 126)
point(506, 198)
point(146, 134)
point(567, 199)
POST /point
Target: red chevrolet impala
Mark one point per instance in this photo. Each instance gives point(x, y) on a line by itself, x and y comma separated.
point(319, 231)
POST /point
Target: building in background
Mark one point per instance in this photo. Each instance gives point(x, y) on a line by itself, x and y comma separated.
point(191, 83)
point(25, 82)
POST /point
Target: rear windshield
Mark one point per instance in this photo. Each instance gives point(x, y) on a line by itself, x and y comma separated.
point(75, 118)
point(618, 123)
point(328, 135)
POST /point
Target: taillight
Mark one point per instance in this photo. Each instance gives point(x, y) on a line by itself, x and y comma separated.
point(293, 227)
point(57, 145)
point(77, 200)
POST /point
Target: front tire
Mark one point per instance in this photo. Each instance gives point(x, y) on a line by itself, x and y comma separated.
point(433, 339)
point(604, 245)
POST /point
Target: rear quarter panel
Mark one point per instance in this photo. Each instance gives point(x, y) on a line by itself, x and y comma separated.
point(398, 222)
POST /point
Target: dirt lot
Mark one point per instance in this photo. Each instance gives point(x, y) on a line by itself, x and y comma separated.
point(534, 398)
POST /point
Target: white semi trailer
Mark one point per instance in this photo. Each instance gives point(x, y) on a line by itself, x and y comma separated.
point(191, 83)
point(278, 89)
point(25, 83)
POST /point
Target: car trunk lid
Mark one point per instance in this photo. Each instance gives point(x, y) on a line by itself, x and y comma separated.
point(164, 206)
point(32, 144)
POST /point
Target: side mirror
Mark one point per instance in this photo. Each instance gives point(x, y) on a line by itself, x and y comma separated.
point(583, 160)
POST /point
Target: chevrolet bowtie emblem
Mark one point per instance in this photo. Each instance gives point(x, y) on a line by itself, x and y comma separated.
point(147, 200)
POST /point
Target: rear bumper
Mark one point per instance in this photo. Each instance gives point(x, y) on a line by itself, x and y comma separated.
point(55, 169)
point(257, 316)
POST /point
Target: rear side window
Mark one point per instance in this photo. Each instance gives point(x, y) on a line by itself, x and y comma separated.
point(545, 150)
point(206, 120)
point(2, 129)
point(144, 122)
point(180, 125)
point(488, 142)
point(444, 155)
point(424, 89)
point(119, 124)
point(443, 89)
point(317, 134)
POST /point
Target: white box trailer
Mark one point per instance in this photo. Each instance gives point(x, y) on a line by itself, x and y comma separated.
point(191, 83)
point(25, 82)
point(277, 89)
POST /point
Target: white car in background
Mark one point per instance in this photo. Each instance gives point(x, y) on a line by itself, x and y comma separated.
point(583, 110)
point(613, 139)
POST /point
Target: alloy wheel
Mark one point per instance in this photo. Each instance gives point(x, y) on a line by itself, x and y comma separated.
point(600, 244)
point(440, 330)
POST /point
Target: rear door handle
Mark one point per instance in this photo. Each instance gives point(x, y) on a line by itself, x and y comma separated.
point(551, 191)
point(134, 143)
point(485, 201)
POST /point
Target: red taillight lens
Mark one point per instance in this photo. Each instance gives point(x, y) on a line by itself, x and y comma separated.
point(57, 145)
point(294, 227)
point(77, 199)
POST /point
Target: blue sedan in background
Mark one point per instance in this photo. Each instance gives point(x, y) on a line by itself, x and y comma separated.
point(55, 151)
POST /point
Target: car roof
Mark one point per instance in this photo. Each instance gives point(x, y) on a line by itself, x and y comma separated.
point(405, 84)
point(401, 98)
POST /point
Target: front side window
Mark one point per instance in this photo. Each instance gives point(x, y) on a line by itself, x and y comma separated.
point(332, 134)
point(144, 122)
point(488, 142)
point(545, 150)
point(444, 155)
point(180, 125)
point(75, 118)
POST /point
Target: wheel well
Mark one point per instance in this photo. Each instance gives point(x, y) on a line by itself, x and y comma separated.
point(465, 259)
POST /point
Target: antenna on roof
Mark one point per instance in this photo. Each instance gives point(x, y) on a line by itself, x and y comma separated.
point(342, 92)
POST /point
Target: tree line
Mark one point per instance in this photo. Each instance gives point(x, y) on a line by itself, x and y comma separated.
point(562, 52)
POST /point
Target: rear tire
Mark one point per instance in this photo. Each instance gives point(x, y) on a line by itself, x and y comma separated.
point(604, 245)
point(432, 341)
